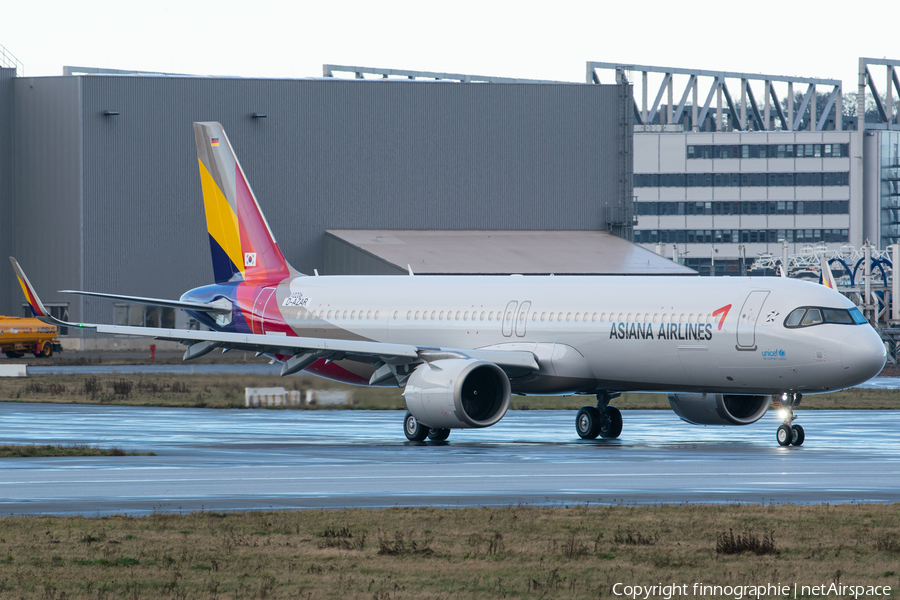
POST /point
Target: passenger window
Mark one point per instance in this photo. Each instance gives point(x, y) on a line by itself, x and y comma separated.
point(813, 317)
point(794, 318)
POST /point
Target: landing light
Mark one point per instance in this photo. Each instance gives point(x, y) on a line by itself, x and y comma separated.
point(782, 414)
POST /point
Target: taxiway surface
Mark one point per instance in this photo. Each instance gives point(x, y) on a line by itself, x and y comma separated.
point(262, 459)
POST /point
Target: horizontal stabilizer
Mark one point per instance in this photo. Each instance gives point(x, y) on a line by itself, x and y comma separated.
point(223, 306)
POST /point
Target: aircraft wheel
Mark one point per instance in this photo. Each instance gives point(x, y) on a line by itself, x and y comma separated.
point(415, 431)
point(587, 422)
point(438, 435)
point(797, 435)
point(611, 426)
point(784, 435)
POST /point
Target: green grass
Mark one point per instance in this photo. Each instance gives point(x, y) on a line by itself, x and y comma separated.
point(429, 553)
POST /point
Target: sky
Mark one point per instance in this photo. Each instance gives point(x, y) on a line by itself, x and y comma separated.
point(525, 39)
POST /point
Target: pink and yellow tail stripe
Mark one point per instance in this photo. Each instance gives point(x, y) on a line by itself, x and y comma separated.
point(827, 276)
point(36, 306)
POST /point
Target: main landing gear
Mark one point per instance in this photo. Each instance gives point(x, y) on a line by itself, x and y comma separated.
point(789, 434)
point(602, 420)
point(417, 432)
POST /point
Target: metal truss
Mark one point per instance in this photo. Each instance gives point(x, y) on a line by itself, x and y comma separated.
point(70, 70)
point(8, 61)
point(885, 107)
point(361, 72)
point(744, 116)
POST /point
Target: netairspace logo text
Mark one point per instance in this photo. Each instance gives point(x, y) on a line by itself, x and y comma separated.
point(739, 592)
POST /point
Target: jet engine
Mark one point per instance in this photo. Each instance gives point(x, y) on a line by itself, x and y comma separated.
point(719, 409)
point(457, 393)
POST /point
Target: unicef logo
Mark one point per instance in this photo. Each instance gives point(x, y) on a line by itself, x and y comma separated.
point(781, 353)
point(778, 354)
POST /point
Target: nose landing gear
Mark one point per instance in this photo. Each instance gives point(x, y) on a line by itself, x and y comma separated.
point(601, 420)
point(789, 434)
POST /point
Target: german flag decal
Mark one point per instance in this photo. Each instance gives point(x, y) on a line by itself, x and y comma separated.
point(214, 142)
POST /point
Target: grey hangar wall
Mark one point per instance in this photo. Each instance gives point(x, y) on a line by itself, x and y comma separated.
point(113, 202)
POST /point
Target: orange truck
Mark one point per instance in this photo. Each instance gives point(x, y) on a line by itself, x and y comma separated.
point(19, 335)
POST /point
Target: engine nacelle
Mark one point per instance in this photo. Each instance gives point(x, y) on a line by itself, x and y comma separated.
point(458, 393)
point(719, 409)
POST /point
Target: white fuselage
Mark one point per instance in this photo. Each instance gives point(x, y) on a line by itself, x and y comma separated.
point(720, 334)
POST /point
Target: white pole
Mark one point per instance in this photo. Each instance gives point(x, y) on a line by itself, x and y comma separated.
point(867, 302)
point(895, 284)
point(675, 253)
point(784, 257)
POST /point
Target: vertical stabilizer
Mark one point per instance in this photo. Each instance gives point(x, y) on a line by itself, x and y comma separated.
point(827, 275)
point(240, 240)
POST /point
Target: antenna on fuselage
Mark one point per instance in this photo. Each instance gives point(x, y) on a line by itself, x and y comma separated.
point(411, 274)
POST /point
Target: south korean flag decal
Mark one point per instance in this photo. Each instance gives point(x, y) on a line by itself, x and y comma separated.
point(249, 259)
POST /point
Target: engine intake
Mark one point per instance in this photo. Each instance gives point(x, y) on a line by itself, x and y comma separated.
point(719, 409)
point(458, 393)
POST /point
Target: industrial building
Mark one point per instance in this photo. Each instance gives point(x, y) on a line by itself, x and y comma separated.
point(723, 175)
point(100, 189)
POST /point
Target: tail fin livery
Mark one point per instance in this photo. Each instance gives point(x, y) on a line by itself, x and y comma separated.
point(827, 276)
point(37, 307)
point(240, 240)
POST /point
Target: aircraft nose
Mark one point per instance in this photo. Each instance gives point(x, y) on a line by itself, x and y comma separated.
point(863, 355)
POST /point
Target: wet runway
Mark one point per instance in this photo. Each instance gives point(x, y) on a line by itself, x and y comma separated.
point(261, 459)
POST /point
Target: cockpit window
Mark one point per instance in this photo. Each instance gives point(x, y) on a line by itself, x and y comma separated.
point(813, 317)
point(807, 316)
point(858, 317)
point(835, 315)
point(794, 318)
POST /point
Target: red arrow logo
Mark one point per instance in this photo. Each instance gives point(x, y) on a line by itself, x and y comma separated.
point(724, 313)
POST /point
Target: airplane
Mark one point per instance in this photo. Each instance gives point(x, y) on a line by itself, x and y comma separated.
point(720, 347)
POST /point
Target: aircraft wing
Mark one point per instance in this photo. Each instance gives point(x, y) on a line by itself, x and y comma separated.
point(223, 306)
point(303, 351)
point(205, 341)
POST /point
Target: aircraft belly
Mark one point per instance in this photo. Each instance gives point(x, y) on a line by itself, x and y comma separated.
point(640, 364)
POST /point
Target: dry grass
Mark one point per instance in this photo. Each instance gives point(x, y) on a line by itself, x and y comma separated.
point(515, 552)
point(33, 451)
point(227, 391)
